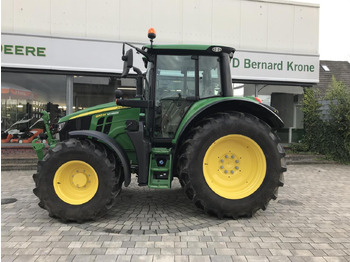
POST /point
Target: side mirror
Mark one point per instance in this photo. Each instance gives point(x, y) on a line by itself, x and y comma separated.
point(128, 62)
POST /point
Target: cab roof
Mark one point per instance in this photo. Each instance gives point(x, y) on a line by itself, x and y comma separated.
point(188, 49)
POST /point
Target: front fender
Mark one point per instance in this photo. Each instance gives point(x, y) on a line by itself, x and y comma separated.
point(112, 144)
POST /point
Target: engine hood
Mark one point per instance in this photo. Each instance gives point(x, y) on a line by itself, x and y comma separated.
point(92, 110)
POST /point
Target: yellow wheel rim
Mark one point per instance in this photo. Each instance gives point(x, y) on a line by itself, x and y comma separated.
point(234, 166)
point(75, 182)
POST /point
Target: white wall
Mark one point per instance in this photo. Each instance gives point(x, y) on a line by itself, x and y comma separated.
point(265, 25)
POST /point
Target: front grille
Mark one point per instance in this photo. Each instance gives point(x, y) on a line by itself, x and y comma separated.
point(82, 123)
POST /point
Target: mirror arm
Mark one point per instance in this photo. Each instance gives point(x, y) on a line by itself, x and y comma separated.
point(139, 81)
point(139, 50)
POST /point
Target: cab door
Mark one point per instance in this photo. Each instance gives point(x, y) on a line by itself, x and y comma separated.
point(180, 81)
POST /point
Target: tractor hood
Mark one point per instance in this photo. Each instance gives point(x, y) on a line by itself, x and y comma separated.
point(92, 111)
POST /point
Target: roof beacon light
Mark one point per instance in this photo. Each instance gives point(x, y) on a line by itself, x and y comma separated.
point(151, 35)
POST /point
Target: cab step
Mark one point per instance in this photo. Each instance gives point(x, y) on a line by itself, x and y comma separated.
point(160, 168)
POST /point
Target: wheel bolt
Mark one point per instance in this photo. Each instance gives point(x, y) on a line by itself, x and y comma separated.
point(222, 167)
point(232, 156)
point(222, 161)
point(232, 172)
point(237, 161)
point(225, 171)
point(237, 167)
point(226, 156)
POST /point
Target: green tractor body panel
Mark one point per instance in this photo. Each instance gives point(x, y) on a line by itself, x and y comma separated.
point(111, 120)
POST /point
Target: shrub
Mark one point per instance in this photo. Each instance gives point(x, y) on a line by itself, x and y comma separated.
point(331, 135)
point(338, 125)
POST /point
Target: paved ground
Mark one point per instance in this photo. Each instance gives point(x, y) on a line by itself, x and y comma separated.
point(310, 221)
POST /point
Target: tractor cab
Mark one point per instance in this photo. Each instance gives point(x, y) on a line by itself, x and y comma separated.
point(177, 76)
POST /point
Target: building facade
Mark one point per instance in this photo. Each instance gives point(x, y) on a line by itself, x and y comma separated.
point(64, 56)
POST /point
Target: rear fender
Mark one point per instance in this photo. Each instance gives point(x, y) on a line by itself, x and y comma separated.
point(259, 110)
point(112, 144)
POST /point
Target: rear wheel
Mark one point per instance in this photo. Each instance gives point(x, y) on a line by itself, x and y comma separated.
point(78, 180)
point(231, 165)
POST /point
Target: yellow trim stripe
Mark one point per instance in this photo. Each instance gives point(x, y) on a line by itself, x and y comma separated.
point(98, 111)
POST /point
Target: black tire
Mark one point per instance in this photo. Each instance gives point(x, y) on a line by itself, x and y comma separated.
point(194, 148)
point(96, 155)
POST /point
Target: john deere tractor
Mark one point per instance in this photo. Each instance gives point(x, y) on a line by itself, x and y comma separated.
point(183, 123)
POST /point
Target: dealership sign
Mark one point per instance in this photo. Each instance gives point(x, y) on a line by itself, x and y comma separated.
point(82, 55)
point(275, 67)
point(53, 53)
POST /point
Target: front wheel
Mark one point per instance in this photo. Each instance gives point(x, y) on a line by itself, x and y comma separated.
point(77, 180)
point(231, 165)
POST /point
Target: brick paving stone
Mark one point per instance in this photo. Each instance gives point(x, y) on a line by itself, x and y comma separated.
point(84, 258)
point(142, 258)
point(225, 251)
point(181, 259)
point(106, 258)
point(49, 258)
point(66, 258)
point(239, 259)
point(337, 259)
point(124, 258)
point(60, 251)
point(25, 258)
point(99, 251)
point(191, 251)
point(167, 244)
point(170, 251)
point(221, 259)
point(163, 258)
point(301, 253)
point(163, 225)
point(199, 258)
point(279, 259)
point(256, 259)
point(136, 251)
point(116, 251)
point(297, 259)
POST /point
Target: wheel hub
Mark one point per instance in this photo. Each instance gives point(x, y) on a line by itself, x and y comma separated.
point(80, 179)
point(228, 164)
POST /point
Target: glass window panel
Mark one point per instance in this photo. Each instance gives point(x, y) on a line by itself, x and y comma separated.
point(209, 76)
point(175, 81)
point(175, 77)
point(24, 96)
point(90, 90)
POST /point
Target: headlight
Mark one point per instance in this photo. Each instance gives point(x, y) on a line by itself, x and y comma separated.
point(61, 125)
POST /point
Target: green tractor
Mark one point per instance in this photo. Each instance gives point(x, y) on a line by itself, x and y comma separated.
point(183, 122)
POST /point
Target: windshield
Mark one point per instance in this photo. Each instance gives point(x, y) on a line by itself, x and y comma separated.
point(175, 77)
